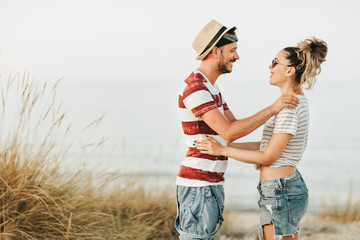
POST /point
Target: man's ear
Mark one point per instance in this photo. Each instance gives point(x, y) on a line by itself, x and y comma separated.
point(215, 51)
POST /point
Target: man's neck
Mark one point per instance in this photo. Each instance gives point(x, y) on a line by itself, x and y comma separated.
point(210, 72)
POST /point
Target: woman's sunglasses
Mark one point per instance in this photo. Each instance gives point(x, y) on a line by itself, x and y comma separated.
point(274, 63)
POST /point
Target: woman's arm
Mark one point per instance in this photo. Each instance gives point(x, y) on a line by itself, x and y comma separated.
point(246, 145)
point(275, 147)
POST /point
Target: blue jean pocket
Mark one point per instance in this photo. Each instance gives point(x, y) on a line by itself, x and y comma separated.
point(199, 211)
point(297, 206)
point(210, 215)
point(188, 220)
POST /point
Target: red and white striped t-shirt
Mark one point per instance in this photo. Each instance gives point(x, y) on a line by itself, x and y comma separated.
point(198, 96)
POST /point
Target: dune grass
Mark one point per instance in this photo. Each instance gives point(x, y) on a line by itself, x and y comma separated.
point(41, 199)
point(340, 211)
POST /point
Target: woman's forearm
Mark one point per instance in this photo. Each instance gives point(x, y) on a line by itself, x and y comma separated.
point(255, 146)
point(274, 148)
point(248, 156)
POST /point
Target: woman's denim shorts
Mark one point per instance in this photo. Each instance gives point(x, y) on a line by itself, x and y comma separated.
point(283, 202)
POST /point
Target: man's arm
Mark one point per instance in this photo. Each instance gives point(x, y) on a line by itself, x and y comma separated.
point(231, 131)
point(229, 115)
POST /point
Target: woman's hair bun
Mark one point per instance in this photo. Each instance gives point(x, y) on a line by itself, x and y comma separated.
point(307, 58)
point(316, 47)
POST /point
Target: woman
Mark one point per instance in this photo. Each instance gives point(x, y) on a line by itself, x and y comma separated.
point(283, 193)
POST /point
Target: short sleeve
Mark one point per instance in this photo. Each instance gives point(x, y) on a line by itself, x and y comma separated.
point(286, 121)
point(225, 106)
point(198, 98)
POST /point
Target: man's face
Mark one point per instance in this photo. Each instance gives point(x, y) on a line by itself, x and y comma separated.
point(228, 56)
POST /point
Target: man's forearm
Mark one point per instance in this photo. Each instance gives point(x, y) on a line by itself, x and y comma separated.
point(231, 131)
point(243, 127)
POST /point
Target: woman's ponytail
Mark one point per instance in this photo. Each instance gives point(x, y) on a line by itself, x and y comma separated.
point(307, 58)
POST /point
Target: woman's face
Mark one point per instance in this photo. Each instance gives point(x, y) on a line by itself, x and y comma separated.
point(279, 69)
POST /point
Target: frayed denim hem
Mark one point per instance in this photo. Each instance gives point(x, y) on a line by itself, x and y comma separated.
point(277, 237)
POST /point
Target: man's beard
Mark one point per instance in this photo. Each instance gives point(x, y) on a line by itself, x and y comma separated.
point(221, 68)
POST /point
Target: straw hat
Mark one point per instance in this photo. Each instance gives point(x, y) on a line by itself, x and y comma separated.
point(208, 38)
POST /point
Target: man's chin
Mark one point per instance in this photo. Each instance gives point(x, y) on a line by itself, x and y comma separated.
point(230, 68)
point(227, 71)
point(224, 69)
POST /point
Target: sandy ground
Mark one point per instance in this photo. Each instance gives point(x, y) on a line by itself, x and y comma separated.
point(244, 225)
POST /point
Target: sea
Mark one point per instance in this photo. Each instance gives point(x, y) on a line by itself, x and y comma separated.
point(140, 128)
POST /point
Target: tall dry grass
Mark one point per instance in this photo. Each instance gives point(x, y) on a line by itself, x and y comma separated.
point(340, 211)
point(41, 199)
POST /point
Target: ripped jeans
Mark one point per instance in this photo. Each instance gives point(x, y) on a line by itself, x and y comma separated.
point(283, 203)
point(199, 211)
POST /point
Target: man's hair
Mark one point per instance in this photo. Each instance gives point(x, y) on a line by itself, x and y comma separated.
point(230, 32)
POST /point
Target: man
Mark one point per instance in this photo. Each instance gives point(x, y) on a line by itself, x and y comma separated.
point(200, 194)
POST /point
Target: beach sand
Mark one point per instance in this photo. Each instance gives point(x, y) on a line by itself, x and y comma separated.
point(244, 225)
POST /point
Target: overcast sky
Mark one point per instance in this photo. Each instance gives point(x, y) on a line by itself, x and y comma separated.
point(103, 40)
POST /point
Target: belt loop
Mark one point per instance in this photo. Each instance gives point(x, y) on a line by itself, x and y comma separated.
point(280, 184)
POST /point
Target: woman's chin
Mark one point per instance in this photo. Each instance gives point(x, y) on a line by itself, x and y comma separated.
point(271, 82)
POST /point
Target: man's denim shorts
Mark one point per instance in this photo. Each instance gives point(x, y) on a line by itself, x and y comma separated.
point(283, 202)
point(199, 211)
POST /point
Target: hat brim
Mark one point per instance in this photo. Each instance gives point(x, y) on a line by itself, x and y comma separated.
point(203, 55)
